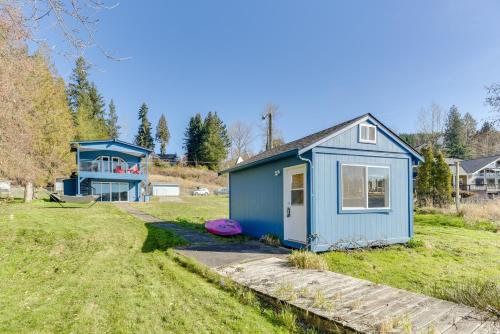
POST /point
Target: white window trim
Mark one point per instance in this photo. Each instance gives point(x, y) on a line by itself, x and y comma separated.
point(368, 141)
point(102, 163)
point(366, 208)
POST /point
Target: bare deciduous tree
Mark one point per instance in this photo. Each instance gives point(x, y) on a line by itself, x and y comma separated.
point(241, 135)
point(493, 100)
point(76, 20)
point(431, 123)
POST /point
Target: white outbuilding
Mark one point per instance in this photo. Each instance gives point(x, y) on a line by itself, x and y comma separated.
point(165, 189)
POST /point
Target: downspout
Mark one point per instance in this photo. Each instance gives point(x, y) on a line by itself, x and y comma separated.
point(312, 236)
point(78, 169)
point(147, 177)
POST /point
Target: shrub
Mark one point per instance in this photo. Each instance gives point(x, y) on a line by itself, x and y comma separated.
point(271, 240)
point(414, 243)
point(307, 260)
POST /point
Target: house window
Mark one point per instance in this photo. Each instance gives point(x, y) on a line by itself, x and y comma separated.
point(364, 187)
point(367, 133)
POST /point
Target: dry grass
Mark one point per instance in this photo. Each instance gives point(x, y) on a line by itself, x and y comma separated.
point(474, 214)
point(188, 178)
point(483, 294)
point(286, 292)
point(307, 260)
point(389, 324)
point(271, 240)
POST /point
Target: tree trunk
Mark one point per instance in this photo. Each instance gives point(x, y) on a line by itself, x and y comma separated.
point(28, 192)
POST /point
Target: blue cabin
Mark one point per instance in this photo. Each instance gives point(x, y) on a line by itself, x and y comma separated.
point(113, 169)
point(347, 186)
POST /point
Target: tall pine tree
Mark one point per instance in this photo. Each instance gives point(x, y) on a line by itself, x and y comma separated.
point(193, 137)
point(455, 136)
point(424, 182)
point(162, 134)
point(441, 181)
point(215, 141)
point(79, 83)
point(86, 104)
point(112, 121)
point(144, 137)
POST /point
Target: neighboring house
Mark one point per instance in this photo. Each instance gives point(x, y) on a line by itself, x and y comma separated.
point(347, 186)
point(171, 158)
point(480, 175)
point(113, 169)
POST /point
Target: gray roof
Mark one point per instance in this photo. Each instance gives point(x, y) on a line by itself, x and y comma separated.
point(471, 166)
point(302, 143)
point(296, 144)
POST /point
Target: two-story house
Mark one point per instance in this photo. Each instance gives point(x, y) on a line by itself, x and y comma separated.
point(112, 169)
point(480, 175)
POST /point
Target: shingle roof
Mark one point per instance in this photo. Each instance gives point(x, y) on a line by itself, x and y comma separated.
point(471, 166)
point(296, 144)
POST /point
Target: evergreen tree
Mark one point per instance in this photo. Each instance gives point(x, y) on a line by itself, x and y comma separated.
point(79, 83)
point(441, 181)
point(424, 183)
point(144, 137)
point(215, 141)
point(455, 136)
point(470, 127)
point(162, 134)
point(112, 122)
point(98, 108)
point(87, 104)
point(193, 137)
point(97, 101)
point(84, 120)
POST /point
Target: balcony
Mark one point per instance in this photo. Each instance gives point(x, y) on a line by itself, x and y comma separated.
point(115, 169)
point(480, 187)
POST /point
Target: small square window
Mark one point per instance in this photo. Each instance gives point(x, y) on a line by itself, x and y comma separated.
point(367, 133)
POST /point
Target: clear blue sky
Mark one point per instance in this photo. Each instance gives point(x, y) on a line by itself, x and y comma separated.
point(321, 61)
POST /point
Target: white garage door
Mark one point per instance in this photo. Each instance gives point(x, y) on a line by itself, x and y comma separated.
point(166, 191)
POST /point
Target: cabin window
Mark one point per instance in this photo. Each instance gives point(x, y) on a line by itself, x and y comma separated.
point(368, 133)
point(298, 189)
point(364, 187)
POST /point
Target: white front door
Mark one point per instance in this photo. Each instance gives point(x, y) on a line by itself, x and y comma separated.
point(295, 203)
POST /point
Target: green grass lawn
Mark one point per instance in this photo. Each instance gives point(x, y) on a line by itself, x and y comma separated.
point(99, 270)
point(449, 260)
point(191, 212)
point(446, 256)
point(192, 209)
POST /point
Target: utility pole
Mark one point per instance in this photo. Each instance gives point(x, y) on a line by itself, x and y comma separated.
point(269, 116)
point(457, 184)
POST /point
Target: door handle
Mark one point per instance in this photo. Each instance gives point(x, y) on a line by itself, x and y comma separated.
point(288, 212)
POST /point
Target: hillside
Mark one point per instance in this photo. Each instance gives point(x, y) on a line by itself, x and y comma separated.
point(189, 178)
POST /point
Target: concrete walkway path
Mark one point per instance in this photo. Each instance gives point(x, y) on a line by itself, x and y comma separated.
point(207, 249)
point(349, 303)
